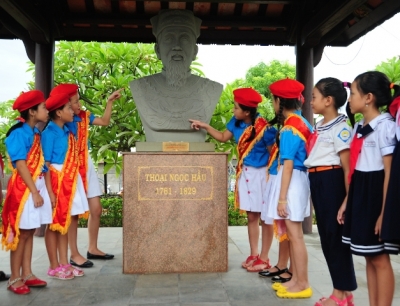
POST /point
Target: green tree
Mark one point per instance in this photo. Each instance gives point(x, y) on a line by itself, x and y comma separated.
point(262, 75)
point(391, 68)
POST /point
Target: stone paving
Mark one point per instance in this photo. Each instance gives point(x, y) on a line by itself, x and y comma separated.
point(104, 284)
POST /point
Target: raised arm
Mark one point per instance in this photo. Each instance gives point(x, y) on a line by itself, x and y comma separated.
point(220, 136)
point(105, 119)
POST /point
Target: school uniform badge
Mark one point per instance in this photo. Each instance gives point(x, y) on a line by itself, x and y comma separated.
point(344, 135)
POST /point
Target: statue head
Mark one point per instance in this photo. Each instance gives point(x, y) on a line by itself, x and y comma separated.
point(176, 32)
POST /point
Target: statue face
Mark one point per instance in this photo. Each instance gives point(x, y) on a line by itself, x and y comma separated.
point(176, 45)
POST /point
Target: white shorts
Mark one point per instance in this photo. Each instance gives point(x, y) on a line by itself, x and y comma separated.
point(298, 196)
point(252, 183)
point(266, 196)
point(33, 217)
point(80, 204)
point(94, 189)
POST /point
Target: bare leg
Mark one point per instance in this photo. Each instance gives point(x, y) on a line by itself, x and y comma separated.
point(380, 280)
point(95, 209)
point(27, 256)
point(63, 248)
point(16, 258)
point(253, 231)
point(283, 258)
point(299, 256)
point(267, 231)
point(51, 241)
point(73, 241)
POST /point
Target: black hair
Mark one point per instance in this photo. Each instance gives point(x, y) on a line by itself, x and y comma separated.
point(292, 103)
point(53, 115)
point(253, 116)
point(334, 88)
point(24, 115)
point(378, 84)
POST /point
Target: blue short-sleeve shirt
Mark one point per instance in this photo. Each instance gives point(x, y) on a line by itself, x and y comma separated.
point(258, 156)
point(273, 170)
point(292, 147)
point(19, 142)
point(55, 143)
point(73, 126)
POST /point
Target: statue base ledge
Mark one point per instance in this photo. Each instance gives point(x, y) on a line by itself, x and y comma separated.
point(175, 147)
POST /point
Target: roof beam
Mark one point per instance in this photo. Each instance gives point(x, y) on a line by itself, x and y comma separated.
point(217, 21)
point(326, 19)
point(208, 36)
point(224, 1)
point(26, 15)
point(382, 13)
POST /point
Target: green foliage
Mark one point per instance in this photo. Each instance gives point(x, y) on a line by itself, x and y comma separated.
point(234, 215)
point(112, 212)
point(391, 68)
point(8, 115)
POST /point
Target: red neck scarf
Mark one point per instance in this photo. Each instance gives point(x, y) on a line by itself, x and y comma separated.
point(356, 146)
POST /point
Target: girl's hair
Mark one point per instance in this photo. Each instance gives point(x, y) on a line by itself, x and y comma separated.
point(253, 116)
point(334, 88)
point(284, 103)
point(378, 84)
point(53, 115)
point(24, 115)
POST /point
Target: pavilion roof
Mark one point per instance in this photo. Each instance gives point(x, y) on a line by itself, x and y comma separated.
point(258, 22)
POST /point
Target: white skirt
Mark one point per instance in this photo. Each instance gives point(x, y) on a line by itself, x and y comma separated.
point(80, 204)
point(94, 189)
point(252, 183)
point(266, 196)
point(298, 196)
point(33, 217)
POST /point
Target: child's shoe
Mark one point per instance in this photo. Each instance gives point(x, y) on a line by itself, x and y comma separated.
point(77, 272)
point(60, 273)
point(18, 290)
point(36, 282)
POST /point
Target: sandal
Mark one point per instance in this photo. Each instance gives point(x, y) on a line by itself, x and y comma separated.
point(259, 265)
point(334, 298)
point(281, 279)
point(60, 273)
point(267, 273)
point(36, 282)
point(249, 261)
point(350, 300)
point(18, 290)
point(77, 272)
point(4, 276)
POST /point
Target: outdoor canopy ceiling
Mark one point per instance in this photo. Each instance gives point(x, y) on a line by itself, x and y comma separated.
point(309, 23)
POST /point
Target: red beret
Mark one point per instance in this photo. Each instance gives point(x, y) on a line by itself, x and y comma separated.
point(287, 88)
point(69, 89)
point(56, 101)
point(247, 96)
point(28, 99)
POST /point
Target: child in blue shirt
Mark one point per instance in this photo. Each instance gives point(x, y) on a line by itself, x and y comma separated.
point(253, 136)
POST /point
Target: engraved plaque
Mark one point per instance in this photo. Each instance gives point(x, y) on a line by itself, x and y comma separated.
point(175, 212)
point(175, 146)
point(175, 183)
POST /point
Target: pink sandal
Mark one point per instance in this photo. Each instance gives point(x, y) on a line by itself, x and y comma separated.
point(77, 272)
point(259, 265)
point(334, 298)
point(249, 261)
point(350, 300)
point(60, 273)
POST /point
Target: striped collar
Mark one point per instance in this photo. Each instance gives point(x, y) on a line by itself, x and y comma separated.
point(319, 127)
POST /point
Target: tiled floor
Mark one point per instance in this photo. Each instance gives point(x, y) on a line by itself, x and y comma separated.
point(104, 284)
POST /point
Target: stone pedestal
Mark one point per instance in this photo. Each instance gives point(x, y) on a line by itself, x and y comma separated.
point(175, 212)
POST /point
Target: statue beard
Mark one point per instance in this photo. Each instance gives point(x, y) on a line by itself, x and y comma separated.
point(176, 74)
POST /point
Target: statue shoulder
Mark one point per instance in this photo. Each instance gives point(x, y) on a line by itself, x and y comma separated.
point(209, 85)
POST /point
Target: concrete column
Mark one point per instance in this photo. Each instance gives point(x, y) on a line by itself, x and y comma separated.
point(305, 75)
